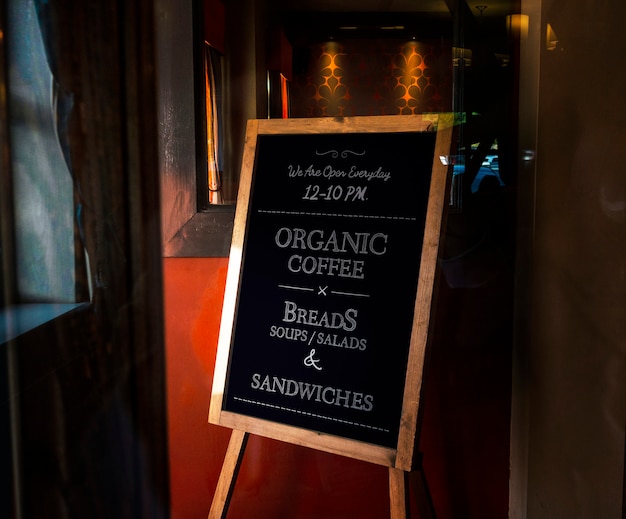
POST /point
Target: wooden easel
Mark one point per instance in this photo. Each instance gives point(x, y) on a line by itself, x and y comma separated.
point(399, 485)
point(305, 134)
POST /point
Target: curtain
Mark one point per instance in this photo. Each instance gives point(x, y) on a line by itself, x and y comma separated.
point(212, 73)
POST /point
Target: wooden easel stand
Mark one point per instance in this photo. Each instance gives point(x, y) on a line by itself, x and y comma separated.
point(399, 485)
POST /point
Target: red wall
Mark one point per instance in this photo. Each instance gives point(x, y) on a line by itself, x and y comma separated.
point(371, 77)
point(465, 432)
point(276, 479)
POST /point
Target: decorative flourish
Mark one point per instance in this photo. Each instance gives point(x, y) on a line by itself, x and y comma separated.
point(414, 79)
point(357, 77)
point(330, 91)
point(335, 153)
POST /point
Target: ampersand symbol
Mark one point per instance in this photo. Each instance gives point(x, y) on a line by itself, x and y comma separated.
point(309, 361)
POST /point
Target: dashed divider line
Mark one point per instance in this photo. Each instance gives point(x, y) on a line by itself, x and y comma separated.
point(312, 415)
point(340, 215)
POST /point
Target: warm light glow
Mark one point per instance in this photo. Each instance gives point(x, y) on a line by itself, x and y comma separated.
point(413, 79)
point(551, 38)
point(284, 97)
point(517, 26)
point(331, 92)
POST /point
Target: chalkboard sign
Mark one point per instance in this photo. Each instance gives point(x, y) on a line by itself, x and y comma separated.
point(330, 279)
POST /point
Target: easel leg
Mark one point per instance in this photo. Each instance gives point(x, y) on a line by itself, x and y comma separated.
point(398, 493)
point(228, 475)
point(400, 483)
point(419, 485)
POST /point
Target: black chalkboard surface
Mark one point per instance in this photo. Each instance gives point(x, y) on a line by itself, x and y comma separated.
point(320, 334)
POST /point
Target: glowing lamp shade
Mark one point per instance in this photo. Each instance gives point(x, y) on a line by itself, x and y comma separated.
point(517, 26)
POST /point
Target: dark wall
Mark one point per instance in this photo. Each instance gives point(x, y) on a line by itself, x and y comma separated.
point(575, 353)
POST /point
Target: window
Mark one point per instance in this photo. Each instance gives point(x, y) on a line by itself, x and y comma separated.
point(39, 243)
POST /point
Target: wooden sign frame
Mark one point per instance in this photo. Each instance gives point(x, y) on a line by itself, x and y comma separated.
point(400, 456)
